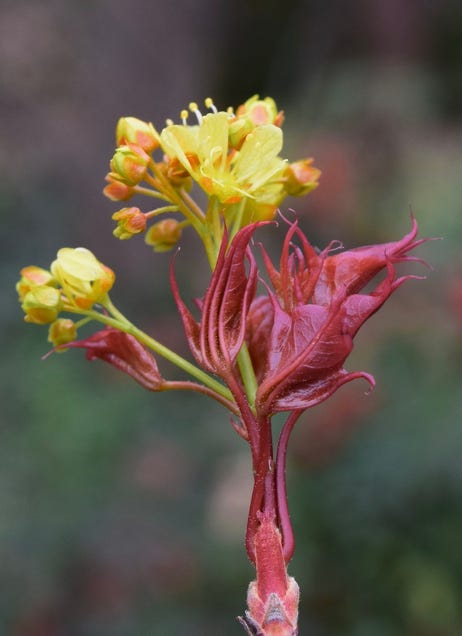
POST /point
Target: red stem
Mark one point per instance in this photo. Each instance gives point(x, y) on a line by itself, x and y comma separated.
point(186, 385)
point(248, 418)
point(263, 494)
point(256, 504)
point(288, 542)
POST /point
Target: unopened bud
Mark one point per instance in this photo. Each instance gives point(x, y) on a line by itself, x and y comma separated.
point(62, 331)
point(136, 131)
point(116, 190)
point(261, 111)
point(301, 177)
point(42, 304)
point(164, 235)
point(130, 221)
point(32, 276)
point(129, 164)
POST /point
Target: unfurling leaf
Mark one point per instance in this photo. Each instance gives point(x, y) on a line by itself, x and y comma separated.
point(300, 335)
point(217, 338)
point(125, 353)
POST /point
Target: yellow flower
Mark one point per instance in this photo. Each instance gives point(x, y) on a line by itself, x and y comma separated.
point(260, 111)
point(129, 164)
point(203, 151)
point(136, 131)
point(42, 304)
point(84, 280)
point(62, 331)
point(31, 277)
point(301, 177)
point(164, 235)
point(254, 112)
point(116, 190)
point(130, 221)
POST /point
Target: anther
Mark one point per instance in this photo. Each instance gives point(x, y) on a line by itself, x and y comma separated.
point(209, 104)
point(184, 116)
point(169, 122)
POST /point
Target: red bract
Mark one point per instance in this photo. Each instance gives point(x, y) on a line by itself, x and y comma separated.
point(125, 353)
point(216, 340)
point(273, 598)
point(312, 314)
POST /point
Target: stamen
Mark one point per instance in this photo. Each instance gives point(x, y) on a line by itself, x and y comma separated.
point(193, 107)
point(169, 122)
point(184, 116)
point(209, 104)
point(230, 111)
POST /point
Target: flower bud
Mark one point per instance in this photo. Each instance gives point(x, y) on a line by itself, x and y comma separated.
point(164, 235)
point(176, 173)
point(130, 221)
point(32, 276)
point(129, 164)
point(301, 177)
point(62, 331)
point(42, 304)
point(136, 131)
point(261, 111)
point(84, 279)
point(117, 191)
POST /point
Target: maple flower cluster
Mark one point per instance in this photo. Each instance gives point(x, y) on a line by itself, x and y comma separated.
point(75, 282)
point(264, 339)
point(234, 157)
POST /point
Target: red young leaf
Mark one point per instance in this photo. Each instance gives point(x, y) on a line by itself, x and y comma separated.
point(259, 326)
point(216, 340)
point(299, 347)
point(125, 353)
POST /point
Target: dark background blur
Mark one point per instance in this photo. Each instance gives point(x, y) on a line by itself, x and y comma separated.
point(123, 513)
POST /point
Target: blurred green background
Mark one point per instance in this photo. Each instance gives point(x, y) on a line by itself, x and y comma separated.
point(123, 513)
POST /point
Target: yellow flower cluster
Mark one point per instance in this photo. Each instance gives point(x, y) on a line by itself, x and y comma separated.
point(205, 152)
point(234, 157)
point(75, 282)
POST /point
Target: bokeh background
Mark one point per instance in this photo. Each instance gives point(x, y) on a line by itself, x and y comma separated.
point(122, 513)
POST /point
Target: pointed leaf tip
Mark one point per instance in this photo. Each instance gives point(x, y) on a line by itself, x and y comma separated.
point(301, 333)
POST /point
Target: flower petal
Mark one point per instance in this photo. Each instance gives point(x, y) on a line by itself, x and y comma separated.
point(179, 141)
point(256, 163)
